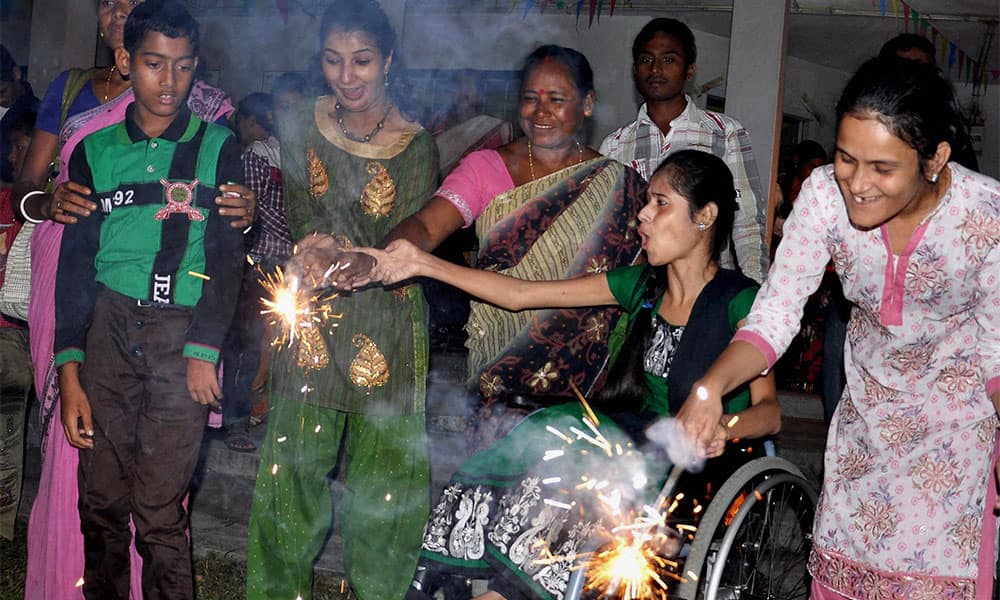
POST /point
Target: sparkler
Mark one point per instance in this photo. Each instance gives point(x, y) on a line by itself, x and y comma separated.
point(632, 558)
point(298, 315)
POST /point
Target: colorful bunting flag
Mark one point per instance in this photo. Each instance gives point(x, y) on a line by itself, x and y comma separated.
point(952, 49)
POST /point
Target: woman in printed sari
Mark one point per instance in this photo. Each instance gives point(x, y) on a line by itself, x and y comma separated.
point(355, 165)
point(545, 206)
point(77, 103)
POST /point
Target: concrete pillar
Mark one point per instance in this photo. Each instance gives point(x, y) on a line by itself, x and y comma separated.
point(63, 35)
point(755, 82)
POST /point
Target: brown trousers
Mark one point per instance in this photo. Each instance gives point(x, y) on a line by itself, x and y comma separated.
point(147, 434)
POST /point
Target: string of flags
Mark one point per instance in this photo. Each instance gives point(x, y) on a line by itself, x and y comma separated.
point(949, 55)
point(595, 8)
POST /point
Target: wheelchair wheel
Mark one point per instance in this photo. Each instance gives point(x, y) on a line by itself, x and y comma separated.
point(764, 551)
point(765, 525)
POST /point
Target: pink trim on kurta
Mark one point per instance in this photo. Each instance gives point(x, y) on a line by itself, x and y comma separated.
point(818, 591)
point(893, 291)
point(857, 580)
point(759, 343)
point(993, 385)
point(987, 553)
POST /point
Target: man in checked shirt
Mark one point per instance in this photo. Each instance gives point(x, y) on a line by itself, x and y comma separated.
point(269, 243)
point(663, 61)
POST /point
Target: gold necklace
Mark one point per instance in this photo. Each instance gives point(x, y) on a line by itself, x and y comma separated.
point(531, 162)
point(107, 84)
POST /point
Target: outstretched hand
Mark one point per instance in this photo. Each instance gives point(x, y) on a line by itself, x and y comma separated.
point(399, 261)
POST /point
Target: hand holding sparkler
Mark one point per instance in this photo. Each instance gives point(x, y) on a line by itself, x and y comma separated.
point(700, 415)
point(312, 259)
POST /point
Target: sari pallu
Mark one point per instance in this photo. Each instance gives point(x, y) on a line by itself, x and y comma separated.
point(575, 222)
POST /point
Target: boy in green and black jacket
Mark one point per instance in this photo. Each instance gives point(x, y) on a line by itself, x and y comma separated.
point(146, 289)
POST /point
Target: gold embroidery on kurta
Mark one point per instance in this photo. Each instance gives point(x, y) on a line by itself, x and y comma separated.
point(369, 368)
point(319, 181)
point(312, 351)
point(379, 196)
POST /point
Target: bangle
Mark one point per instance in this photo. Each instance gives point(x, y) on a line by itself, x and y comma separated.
point(24, 213)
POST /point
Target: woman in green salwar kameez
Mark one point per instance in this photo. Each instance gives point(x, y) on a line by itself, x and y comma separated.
point(353, 166)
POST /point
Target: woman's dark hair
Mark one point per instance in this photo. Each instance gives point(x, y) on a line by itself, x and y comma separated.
point(576, 64)
point(671, 27)
point(911, 99)
point(260, 106)
point(169, 17)
point(701, 178)
point(908, 41)
point(368, 17)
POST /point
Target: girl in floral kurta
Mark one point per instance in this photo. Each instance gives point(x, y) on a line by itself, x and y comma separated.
point(908, 497)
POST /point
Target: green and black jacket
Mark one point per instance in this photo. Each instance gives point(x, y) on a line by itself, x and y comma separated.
point(157, 235)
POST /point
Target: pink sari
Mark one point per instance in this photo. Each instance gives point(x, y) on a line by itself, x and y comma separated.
point(55, 544)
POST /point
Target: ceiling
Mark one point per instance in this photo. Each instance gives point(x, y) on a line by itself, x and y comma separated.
point(843, 33)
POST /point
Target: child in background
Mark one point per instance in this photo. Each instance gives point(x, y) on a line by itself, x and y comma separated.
point(15, 358)
point(146, 288)
point(268, 244)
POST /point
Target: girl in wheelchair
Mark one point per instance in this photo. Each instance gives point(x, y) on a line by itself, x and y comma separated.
point(682, 309)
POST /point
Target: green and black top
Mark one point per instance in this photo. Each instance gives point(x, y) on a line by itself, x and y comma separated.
point(680, 354)
point(157, 235)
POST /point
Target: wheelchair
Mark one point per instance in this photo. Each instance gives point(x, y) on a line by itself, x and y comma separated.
point(752, 542)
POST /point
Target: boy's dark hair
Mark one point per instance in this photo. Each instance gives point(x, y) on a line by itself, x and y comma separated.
point(671, 27)
point(168, 17)
point(908, 41)
point(576, 64)
point(261, 107)
point(700, 178)
point(911, 99)
point(290, 82)
point(24, 123)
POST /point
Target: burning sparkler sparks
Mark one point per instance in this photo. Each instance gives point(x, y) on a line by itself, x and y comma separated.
point(298, 315)
point(635, 548)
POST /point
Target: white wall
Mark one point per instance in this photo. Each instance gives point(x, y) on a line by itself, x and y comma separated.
point(15, 35)
point(990, 161)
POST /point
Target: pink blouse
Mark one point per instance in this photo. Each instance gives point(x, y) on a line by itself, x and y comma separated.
point(908, 459)
point(475, 182)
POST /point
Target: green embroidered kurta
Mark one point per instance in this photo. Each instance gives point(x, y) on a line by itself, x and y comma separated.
point(358, 192)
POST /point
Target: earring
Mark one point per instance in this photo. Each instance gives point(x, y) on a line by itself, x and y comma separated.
point(701, 226)
point(934, 178)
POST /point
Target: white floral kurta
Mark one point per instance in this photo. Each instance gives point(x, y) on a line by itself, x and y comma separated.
point(908, 459)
